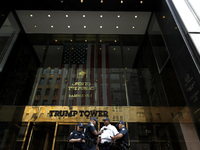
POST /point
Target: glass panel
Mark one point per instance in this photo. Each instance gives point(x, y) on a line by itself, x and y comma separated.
point(63, 133)
point(8, 34)
point(42, 136)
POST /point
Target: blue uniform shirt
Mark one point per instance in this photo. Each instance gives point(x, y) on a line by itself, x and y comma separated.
point(89, 130)
point(123, 131)
point(77, 135)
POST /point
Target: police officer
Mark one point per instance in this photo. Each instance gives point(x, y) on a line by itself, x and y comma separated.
point(91, 134)
point(104, 141)
point(77, 138)
point(122, 137)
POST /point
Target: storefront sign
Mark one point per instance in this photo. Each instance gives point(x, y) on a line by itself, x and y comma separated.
point(67, 114)
point(80, 113)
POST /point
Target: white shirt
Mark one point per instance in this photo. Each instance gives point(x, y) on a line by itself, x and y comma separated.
point(108, 132)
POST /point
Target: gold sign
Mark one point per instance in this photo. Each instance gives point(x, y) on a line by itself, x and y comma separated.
point(115, 113)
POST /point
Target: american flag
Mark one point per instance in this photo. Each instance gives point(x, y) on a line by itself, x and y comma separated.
point(77, 52)
point(93, 61)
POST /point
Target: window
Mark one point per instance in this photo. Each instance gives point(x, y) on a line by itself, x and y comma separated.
point(52, 71)
point(44, 71)
point(38, 92)
point(41, 80)
point(55, 92)
point(57, 80)
point(49, 81)
point(47, 92)
point(45, 102)
point(59, 71)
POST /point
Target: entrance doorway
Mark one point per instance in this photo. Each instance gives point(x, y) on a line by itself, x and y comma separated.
point(41, 136)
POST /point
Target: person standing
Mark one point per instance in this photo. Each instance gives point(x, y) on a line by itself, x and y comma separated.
point(91, 134)
point(105, 141)
point(77, 138)
point(122, 137)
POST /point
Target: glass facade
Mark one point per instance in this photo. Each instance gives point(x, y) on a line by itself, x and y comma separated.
point(50, 82)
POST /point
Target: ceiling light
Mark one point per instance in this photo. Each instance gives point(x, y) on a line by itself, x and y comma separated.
point(58, 47)
point(117, 27)
point(68, 27)
point(83, 16)
point(85, 40)
point(62, 1)
point(31, 15)
point(51, 26)
point(81, 1)
point(35, 26)
point(101, 27)
point(114, 49)
point(100, 41)
point(71, 40)
point(66, 16)
point(49, 16)
point(122, 1)
point(101, 16)
point(133, 27)
point(141, 2)
point(115, 41)
point(56, 40)
point(118, 16)
point(128, 49)
point(136, 16)
point(163, 17)
point(100, 48)
point(101, 1)
point(84, 27)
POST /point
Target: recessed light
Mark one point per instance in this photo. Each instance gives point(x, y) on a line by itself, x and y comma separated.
point(51, 26)
point(100, 48)
point(117, 27)
point(81, 1)
point(135, 16)
point(66, 16)
point(31, 15)
point(49, 16)
point(101, 27)
point(118, 16)
point(85, 40)
point(100, 41)
point(163, 17)
point(68, 27)
point(58, 47)
point(115, 41)
point(122, 1)
point(62, 1)
point(101, 1)
point(101, 16)
point(35, 26)
point(133, 27)
point(114, 49)
point(56, 40)
point(83, 16)
point(71, 40)
point(84, 27)
point(141, 2)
